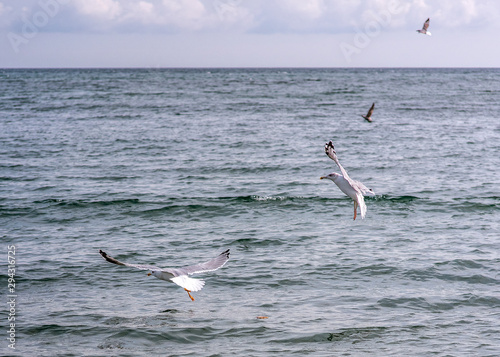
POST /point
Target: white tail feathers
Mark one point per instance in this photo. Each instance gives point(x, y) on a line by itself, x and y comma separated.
point(188, 283)
point(362, 205)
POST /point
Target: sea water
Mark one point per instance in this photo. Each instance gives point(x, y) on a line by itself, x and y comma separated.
point(170, 167)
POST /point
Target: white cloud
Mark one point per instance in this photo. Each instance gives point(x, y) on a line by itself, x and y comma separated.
point(105, 9)
point(185, 14)
point(452, 13)
point(261, 16)
point(5, 15)
point(187, 9)
point(251, 32)
point(312, 9)
point(144, 7)
point(172, 15)
point(143, 12)
point(4, 10)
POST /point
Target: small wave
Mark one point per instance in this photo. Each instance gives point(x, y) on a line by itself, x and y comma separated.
point(350, 334)
point(439, 306)
point(388, 198)
point(111, 178)
point(412, 109)
point(475, 300)
point(340, 91)
point(468, 206)
point(179, 208)
point(434, 272)
point(175, 335)
point(84, 203)
point(418, 303)
point(270, 198)
point(256, 242)
point(64, 330)
point(376, 269)
point(470, 279)
point(224, 205)
point(460, 264)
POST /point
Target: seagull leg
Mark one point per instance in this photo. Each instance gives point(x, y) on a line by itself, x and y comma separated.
point(188, 291)
point(355, 209)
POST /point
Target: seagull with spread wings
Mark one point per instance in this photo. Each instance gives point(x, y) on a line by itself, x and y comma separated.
point(179, 276)
point(351, 188)
point(368, 115)
point(425, 27)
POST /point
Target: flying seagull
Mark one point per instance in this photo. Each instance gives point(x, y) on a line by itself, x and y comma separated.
point(368, 116)
point(179, 276)
point(351, 188)
point(425, 27)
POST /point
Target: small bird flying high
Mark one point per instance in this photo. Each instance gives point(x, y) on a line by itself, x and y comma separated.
point(424, 31)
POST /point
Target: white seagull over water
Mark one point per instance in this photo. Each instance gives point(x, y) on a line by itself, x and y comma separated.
point(368, 115)
point(351, 188)
point(179, 276)
point(425, 27)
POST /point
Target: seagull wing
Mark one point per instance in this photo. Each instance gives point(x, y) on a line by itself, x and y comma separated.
point(426, 24)
point(211, 265)
point(363, 189)
point(137, 266)
point(370, 112)
point(330, 151)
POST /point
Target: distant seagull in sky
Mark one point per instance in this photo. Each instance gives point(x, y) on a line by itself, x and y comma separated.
point(351, 188)
point(179, 276)
point(368, 116)
point(425, 27)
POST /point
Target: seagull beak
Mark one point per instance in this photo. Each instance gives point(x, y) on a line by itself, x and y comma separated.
point(322, 177)
point(149, 274)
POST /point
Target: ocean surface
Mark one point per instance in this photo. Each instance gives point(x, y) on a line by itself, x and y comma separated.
point(170, 167)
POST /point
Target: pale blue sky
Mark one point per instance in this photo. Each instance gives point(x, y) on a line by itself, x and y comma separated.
point(246, 33)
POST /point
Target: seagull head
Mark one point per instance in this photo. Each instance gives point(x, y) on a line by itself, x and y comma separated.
point(152, 273)
point(331, 176)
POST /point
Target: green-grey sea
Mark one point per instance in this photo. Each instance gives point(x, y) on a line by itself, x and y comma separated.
point(170, 167)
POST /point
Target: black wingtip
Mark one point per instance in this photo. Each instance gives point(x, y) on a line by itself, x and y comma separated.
point(329, 145)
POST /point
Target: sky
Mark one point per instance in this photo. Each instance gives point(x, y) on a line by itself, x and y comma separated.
point(248, 33)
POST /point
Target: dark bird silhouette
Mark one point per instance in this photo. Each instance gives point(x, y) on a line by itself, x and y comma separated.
point(368, 115)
